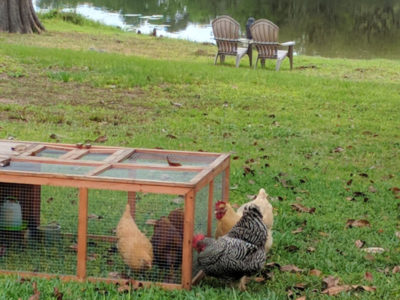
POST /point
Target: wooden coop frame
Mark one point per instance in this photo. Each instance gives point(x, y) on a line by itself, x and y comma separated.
point(16, 152)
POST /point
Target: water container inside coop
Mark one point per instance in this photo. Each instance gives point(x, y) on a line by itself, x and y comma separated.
point(46, 242)
point(142, 241)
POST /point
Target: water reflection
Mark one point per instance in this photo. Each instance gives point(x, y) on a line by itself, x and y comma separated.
point(337, 28)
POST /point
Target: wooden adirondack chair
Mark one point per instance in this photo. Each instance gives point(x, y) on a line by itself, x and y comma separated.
point(226, 34)
point(265, 39)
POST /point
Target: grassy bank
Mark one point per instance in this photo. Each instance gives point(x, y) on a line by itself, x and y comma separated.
point(325, 135)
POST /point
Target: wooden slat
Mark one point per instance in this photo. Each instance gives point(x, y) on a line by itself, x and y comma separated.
point(103, 238)
point(210, 207)
point(73, 154)
point(187, 251)
point(102, 183)
point(225, 185)
point(119, 155)
point(33, 150)
point(82, 233)
point(99, 170)
point(68, 278)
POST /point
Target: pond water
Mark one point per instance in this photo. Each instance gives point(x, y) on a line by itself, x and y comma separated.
point(329, 28)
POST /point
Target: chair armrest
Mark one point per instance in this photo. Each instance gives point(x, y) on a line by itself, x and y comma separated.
point(291, 43)
point(264, 43)
point(227, 40)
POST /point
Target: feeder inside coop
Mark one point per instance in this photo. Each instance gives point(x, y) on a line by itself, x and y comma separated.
point(64, 212)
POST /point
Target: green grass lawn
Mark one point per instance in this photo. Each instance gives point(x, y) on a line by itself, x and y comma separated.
point(325, 135)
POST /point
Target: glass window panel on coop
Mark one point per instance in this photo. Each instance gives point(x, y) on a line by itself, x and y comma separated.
point(38, 228)
point(142, 241)
point(203, 200)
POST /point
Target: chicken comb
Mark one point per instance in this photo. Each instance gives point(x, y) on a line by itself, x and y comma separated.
point(197, 238)
point(220, 203)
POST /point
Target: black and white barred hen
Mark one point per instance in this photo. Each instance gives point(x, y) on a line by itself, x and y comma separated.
point(237, 254)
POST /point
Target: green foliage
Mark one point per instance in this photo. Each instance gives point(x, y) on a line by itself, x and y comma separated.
point(70, 17)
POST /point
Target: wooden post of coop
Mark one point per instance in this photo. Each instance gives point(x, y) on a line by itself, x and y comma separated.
point(132, 203)
point(82, 233)
point(34, 219)
point(210, 207)
point(187, 251)
point(225, 185)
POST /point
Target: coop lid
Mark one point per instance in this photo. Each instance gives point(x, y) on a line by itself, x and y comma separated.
point(92, 165)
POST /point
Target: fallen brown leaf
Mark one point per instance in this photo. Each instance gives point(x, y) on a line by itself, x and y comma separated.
point(101, 139)
point(291, 248)
point(396, 269)
point(334, 290)
point(259, 279)
point(36, 293)
point(357, 223)
point(301, 298)
point(374, 250)
point(125, 288)
point(291, 269)
point(330, 281)
point(368, 276)
point(172, 163)
point(359, 243)
point(298, 230)
point(365, 288)
point(58, 294)
point(301, 208)
point(338, 149)
point(272, 265)
point(310, 249)
point(315, 272)
point(397, 234)
point(171, 136)
point(372, 189)
point(94, 217)
point(369, 257)
point(395, 190)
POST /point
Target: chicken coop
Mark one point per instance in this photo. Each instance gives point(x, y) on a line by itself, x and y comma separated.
point(84, 212)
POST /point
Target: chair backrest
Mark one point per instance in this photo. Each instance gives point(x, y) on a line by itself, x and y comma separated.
point(265, 38)
point(226, 34)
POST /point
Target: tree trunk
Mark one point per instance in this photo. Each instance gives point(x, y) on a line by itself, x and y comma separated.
point(19, 16)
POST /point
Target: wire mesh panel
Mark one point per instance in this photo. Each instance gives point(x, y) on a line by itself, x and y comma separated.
point(38, 228)
point(202, 211)
point(147, 246)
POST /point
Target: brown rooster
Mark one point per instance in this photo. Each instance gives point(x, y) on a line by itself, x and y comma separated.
point(237, 254)
point(133, 246)
point(167, 240)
